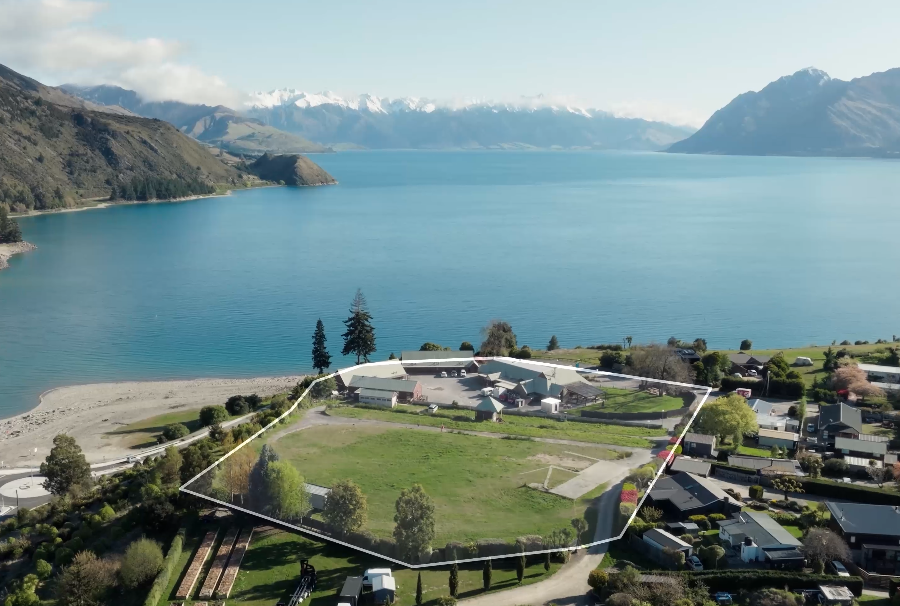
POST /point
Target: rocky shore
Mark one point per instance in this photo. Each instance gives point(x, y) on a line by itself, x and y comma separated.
point(8, 250)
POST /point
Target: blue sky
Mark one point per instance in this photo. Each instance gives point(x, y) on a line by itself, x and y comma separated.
point(661, 59)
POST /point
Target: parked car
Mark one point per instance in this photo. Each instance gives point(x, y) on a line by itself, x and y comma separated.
point(452, 373)
point(810, 428)
point(838, 568)
point(371, 573)
point(462, 373)
point(432, 408)
point(443, 375)
point(723, 598)
point(693, 563)
point(752, 373)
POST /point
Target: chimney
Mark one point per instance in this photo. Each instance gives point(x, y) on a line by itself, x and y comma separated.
point(748, 541)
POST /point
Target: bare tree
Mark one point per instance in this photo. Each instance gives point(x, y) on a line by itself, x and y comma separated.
point(659, 362)
point(237, 472)
point(822, 545)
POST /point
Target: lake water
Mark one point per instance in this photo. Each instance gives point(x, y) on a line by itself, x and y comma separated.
point(588, 246)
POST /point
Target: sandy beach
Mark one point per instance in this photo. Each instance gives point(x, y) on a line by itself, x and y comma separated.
point(8, 250)
point(89, 413)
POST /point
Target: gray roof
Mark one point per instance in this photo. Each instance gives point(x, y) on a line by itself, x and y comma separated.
point(376, 393)
point(853, 445)
point(584, 390)
point(390, 369)
point(489, 404)
point(663, 538)
point(316, 489)
point(783, 466)
point(700, 438)
point(398, 385)
point(694, 466)
point(840, 413)
point(862, 518)
point(687, 491)
point(783, 554)
point(743, 359)
point(890, 458)
point(413, 356)
point(760, 527)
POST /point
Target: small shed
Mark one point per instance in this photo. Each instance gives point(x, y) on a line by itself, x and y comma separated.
point(380, 397)
point(836, 595)
point(383, 588)
point(773, 437)
point(550, 405)
point(488, 409)
point(317, 495)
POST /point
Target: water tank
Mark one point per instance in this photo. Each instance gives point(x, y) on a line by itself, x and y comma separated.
point(748, 541)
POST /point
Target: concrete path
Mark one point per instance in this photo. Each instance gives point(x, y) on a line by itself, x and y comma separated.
point(602, 472)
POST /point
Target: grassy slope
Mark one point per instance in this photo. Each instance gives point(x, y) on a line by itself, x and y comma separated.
point(145, 432)
point(476, 482)
point(535, 427)
point(270, 572)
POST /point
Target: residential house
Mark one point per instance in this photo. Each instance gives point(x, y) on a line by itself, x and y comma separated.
point(773, 437)
point(866, 445)
point(699, 445)
point(766, 466)
point(391, 369)
point(860, 464)
point(686, 494)
point(438, 361)
point(885, 377)
point(660, 539)
point(688, 355)
point(742, 363)
point(759, 538)
point(488, 409)
point(405, 389)
point(839, 420)
point(764, 417)
point(694, 466)
point(890, 458)
point(872, 532)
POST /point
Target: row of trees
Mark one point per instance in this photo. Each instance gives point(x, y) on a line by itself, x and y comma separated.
point(158, 188)
point(9, 228)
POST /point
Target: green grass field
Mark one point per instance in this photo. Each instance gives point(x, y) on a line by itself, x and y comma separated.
point(142, 434)
point(534, 427)
point(628, 400)
point(271, 570)
point(477, 483)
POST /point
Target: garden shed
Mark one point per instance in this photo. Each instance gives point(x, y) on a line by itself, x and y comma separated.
point(488, 409)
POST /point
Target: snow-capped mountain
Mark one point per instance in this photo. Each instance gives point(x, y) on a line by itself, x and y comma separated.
point(374, 122)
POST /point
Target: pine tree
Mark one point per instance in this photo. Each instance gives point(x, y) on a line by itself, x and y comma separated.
point(547, 561)
point(454, 580)
point(486, 574)
point(554, 344)
point(419, 591)
point(360, 336)
point(320, 356)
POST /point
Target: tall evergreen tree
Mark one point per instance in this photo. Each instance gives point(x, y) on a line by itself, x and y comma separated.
point(360, 336)
point(486, 574)
point(454, 580)
point(520, 568)
point(419, 591)
point(65, 467)
point(320, 356)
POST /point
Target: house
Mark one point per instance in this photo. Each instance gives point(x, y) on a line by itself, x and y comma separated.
point(890, 458)
point(836, 595)
point(766, 466)
point(865, 445)
point(686, 494)
point(694, 466)
point(550, 405)
point(688, 355)
point(317, 495)
point(537, 381)
point(839, 419)
point(438, 361)
point(488, 409)
point(406, 389)
point(381, 397)
point(885, 377)
point(761, 539)
point(764, 417)
point(742, 363)
point(682, 528)
point(385, 370)
point(872, 532)
point(773, 437)
point(699, 445)
point(660, 539)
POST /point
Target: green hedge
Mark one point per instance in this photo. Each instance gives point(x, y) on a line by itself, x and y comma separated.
point(893, 586)
point(162, 579)
point(850, 492)
point(732, 383)
point(733, 581)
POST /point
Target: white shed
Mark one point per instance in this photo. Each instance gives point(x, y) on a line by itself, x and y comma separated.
point(377, 396)
point(550, 405)
point(384, 587)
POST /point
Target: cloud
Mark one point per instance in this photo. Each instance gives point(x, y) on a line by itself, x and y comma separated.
point(656, 111)
point(55, 39)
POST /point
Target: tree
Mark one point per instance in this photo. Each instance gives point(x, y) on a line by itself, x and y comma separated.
point(414, 519)
point(346, 507)
point(323, 388)
point(237, 405)
point(286, 491)
point(547, 562)
point(158, 515)
point(598, 579)
point(710, 556)
point(9, 228)
point(499, 338)
point(359, 338)
point(236, 472)
point(454, 581)
point(429, 346)
point(44, 569)
point(85, 581)
point(466, 346)
point(787, 484)
point(520, 568)
point(320, 357)
point(22, 593)
point(65, 466)
point(554, 343)
point(727, 416)
point(659, 362)
point(141, 563)
point(774, 597)
point(169, 466)
point(746, 345)
point(486, 574)
point(210, 415)
point(197, 457)
point(831, 362)
point(699, 345)
point(419, 590)
point(877, 474)
point(628, 341)
point(580, 526)
point(855, 380)
point(174, 431)
point(822, 545)
point(257, 480)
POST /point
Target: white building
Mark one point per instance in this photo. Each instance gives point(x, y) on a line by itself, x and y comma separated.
point(550, 405)
point(886, 377)
point(378, 396)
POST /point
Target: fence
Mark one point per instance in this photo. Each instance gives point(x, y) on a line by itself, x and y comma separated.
point(881, 581)
point(575, 418)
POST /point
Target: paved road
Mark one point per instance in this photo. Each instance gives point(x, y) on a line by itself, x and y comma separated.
point(602, 472)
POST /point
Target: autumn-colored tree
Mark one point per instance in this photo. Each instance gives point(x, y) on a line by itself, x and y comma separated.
point(855, 380)
point(237, 472)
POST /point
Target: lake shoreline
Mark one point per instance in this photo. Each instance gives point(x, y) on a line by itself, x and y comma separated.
point(13, 248)
point(90, 412)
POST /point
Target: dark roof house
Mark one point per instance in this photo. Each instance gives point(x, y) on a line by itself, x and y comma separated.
point(699, 444)
point(761, 539)
point(686, 494)
point(872, 532)
point(767, 466)
point(839, 419)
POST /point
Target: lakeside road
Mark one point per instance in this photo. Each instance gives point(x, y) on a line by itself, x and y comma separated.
point(89, 413)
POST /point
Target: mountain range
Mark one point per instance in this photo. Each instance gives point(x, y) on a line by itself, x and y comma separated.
point(807, 114)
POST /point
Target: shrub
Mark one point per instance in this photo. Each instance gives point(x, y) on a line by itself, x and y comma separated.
point(701, 521)
point(446, 600)
point(63, 556)
point(626, 509)
point(733, 581)
point(237, 405)
point(850, 492)
point(44, 569)
point(142, 562)
point(162, 579)
point(835, 468)
point(175, 431)
point(756, 492)
point(210, 415)
point(598, 580)
point(107, 513)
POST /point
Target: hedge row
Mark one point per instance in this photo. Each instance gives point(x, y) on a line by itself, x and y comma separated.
point(732, 383)
point(162, 579)
point(850, 492)
point(733, 580)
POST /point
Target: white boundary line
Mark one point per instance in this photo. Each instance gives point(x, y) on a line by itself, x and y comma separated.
point(308, 531)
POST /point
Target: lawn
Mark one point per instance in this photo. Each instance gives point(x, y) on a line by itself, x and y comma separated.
point(629, 400)
point(752, 451)
point(271, 570)
point(535, 427)
point(874, 600)
point(478, 484)
point(583, 356)
point(142, 434)
point(877, 430)
point(795, 531)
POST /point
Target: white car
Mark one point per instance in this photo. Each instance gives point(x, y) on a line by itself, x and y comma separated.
point(694, 563)
point(462, 373)
point(839, 569)
point(433, 408)
point(752, 373)
point(443, 375)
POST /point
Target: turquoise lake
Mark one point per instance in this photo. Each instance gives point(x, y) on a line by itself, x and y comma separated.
point(588, 246)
